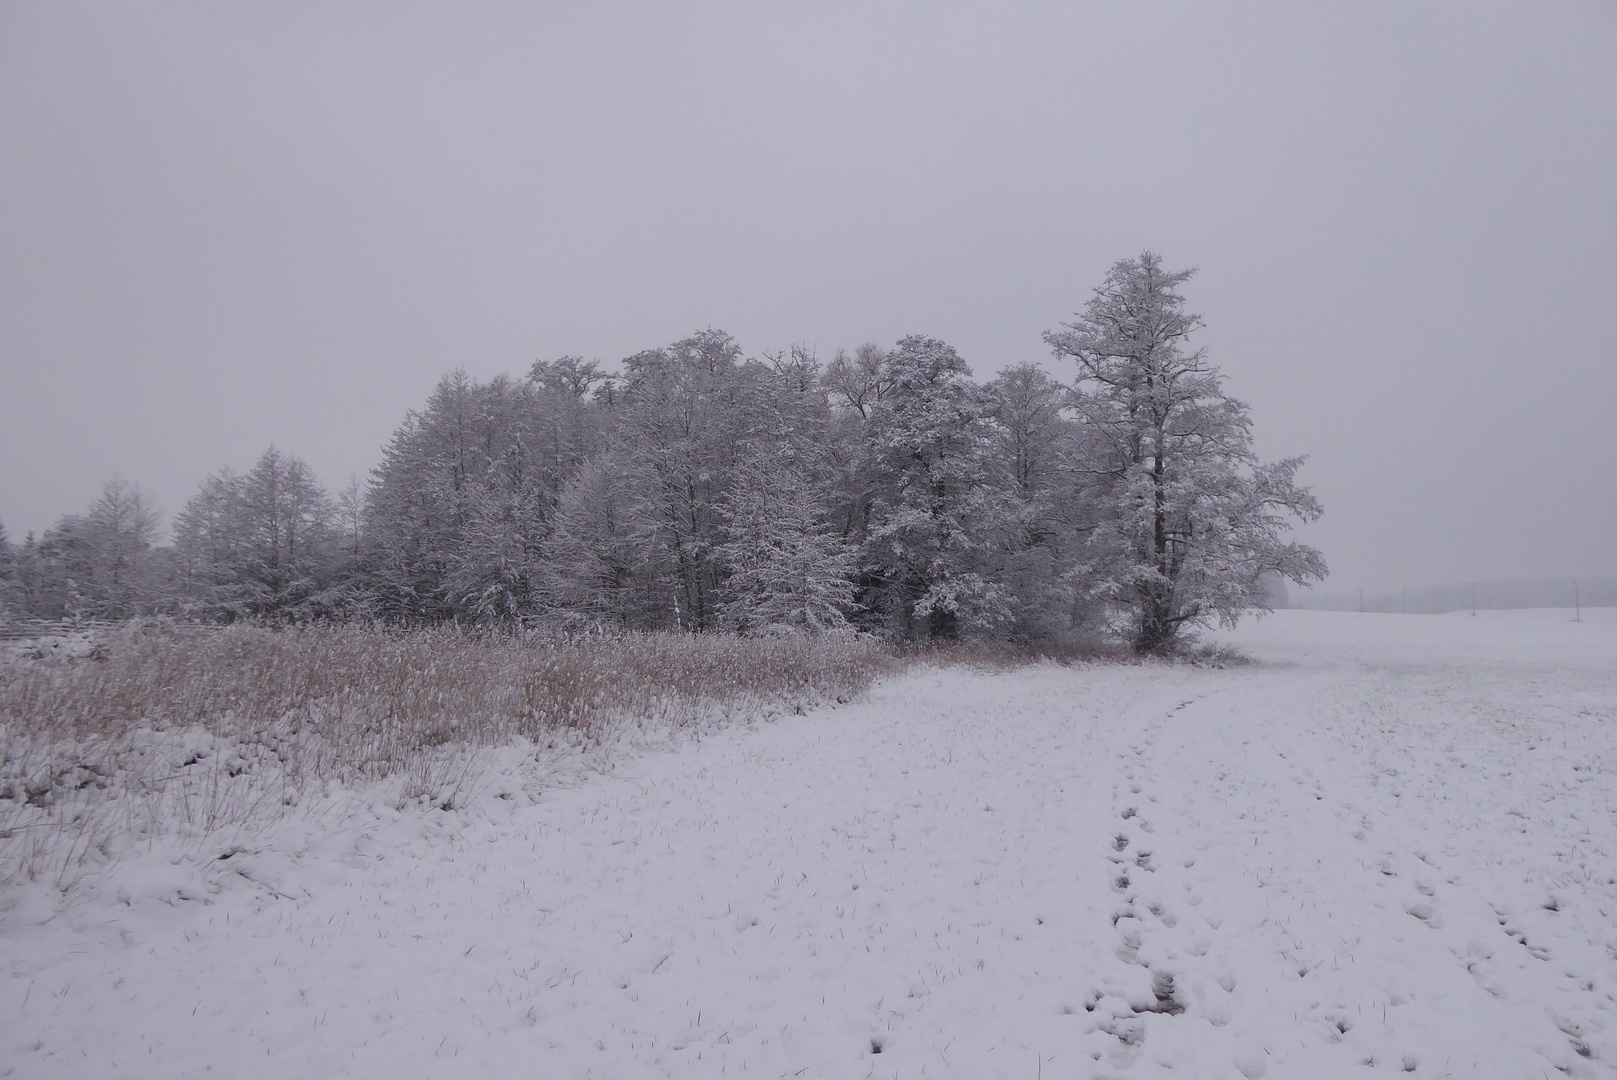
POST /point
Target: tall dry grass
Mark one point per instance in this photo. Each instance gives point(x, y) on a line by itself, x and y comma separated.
point(164, 727)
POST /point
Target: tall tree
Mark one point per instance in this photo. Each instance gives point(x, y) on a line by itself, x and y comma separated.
point(10, 589)
point(787, 567)
point(289, 539)
point(210, 547)
point(462, 503)
point(1041, 447)
point(1189, 521)
point(567, 425)
point(602, 568)
point(859, 381)
point(938, 510)
point(122, 530)
point(98, 565)
point(683, 421)
point(349, 504)
point(260, 544)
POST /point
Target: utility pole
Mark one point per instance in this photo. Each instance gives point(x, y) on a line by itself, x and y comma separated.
point(1361, 600)
point(1473, 599)
point(1577, 604)
point(1406, 601)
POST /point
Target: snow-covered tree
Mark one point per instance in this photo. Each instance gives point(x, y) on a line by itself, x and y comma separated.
point(1188, 521)
point(938, 510)
point(349, 504)
point(601, 564)
point(859, 381)
point(122, 528)
point(572, 376)
point(463, 501)
point(417, 505)
point(567, 426)
point(1028, 405)
point(682, 423)
point(289, 539)
point(1041, 447)
point(10, 590)
point(259, 544)
point(787, 568)
point(494, 574)
point(101, 564)
point(209, 545)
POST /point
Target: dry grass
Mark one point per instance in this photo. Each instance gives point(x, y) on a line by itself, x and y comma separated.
point(994, 657)
point(192, 729)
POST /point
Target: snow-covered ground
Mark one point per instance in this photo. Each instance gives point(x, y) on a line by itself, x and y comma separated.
point(1390, 846)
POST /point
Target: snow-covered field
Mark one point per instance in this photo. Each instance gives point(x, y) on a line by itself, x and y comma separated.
point(1390, 845)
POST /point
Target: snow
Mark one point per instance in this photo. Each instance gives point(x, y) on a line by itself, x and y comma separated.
point(1388, 846)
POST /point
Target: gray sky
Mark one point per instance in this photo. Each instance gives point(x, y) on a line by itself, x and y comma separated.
point(226, 225)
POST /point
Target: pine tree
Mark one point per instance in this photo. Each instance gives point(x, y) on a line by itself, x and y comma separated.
point(1188, 521)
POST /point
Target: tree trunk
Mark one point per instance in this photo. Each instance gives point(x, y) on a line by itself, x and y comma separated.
point(1157, 629)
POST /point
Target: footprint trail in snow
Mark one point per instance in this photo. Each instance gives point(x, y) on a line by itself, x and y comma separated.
point(1375, 851)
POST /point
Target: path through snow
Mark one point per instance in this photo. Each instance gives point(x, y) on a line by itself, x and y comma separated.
point(1388, 847)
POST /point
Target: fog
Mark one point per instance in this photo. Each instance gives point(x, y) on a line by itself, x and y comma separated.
point(225, 226)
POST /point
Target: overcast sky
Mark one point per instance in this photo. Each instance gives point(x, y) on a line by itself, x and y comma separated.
point(227, 225)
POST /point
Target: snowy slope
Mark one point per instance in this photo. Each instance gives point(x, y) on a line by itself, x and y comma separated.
point(1388, 847)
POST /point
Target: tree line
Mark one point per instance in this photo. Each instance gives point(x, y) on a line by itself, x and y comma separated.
point(884, 490)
